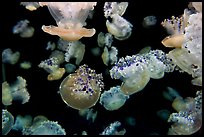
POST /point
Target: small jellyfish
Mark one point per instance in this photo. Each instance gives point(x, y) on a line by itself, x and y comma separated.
point(113, 99)
point(104, 39)
point(82, 89)
point(170, 94)
point(7, 121)
point(9, 57)
point(120, 28)
point(15, 91)
point(76, 49)
point(149, 21)
point(23, 29)
point(88, 114)
point(50, 45)
point(51, 65)
point(111, 8)
point(109, 56)
point(46, 127)
point(96, 51)
point(70, 67)
point(112, 129)
point(22, 122)
point(70, 18)
point(25, 65)
point(31, 6)
point(131, 121)
point(163, 114)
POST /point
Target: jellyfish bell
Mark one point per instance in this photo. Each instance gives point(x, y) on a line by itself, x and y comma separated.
point(173, 41)
point(81, 90)
point(69, 34)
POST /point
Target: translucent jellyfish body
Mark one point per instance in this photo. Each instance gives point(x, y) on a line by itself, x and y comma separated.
point(22, 122)
point(149, 21)
point(15, 91)
point(75, 50)
point(9, 57)
point(51, 65)
point(89, 114)
point(120, 28)
point(30, 5)
point(23, 29)
point(135, 71)
point(45, 128)
point(189, 118)
point(111, 8)
point(7, 122)
point(113, 99)
point(112, 129)
point(109, 57)
point(70, 18)
point(81, 90)
point(104, 39)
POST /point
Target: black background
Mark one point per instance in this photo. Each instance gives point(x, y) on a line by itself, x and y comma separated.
point(44, 97)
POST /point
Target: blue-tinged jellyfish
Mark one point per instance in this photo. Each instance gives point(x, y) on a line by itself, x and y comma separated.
point(22, 122)
point(9, 57)
point(113, 129)
point(45, 128)
point(82, 89)
point(113, 99)
point(7, 121)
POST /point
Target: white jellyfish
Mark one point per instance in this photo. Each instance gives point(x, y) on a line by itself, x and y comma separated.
point(70, 18)
point(113, 99)
point(120, 28)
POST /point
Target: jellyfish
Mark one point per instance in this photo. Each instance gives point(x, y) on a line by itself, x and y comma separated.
point(88, 114)
point(76, 49)
point(7, 121)
point(133, 72)
point(82, 89)
point(111, 8)
point(22, 122)
point(25, 65)
point(113, 99)
point(120, 28)
point(149, 21)
point(46, 127)
point(188, 120)
point(110, 56)
point(104, 39)
point(31, 6)
point(50, 45)
point(15, 91)
point(51, 65)
point(23, 29)
point(9, 57)
point(70, 67)
point(70, 18)
point(112, 129)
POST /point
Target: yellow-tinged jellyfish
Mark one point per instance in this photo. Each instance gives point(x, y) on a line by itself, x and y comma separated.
point(82, 89)
point(70, 18)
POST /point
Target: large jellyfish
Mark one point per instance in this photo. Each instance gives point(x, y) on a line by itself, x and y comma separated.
point(81, 90)
point(70, 18)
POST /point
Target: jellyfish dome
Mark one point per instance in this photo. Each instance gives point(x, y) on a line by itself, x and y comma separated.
point(113, 99)
point(81, 90)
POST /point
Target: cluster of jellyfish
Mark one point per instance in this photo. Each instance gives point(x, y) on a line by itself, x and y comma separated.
point(82, 88)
